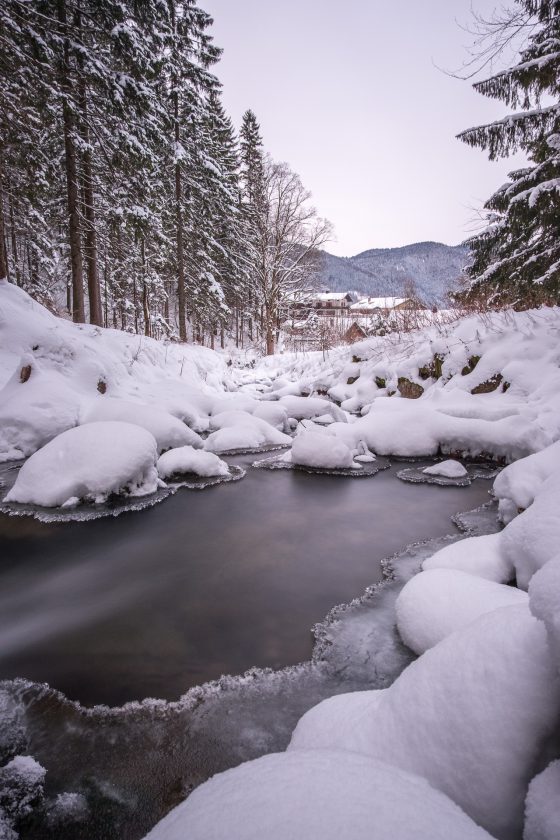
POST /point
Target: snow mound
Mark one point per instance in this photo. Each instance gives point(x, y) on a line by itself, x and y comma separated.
point(35, 411)
point(471, 715)
point(532, 538)
point(274, 413)
point(168, 431)
point(316, 795)
point(544, 601)
point(237, 430)
point(185, 459)
point(447, 469)
point(307, 408)
point(89, 463)
point(479, 556)
point(518, 484)
point(435, 603)
point(542, 806)
point(314, 449)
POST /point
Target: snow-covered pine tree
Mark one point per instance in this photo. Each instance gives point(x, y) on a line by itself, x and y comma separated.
point(253, 209)
point(517, 257)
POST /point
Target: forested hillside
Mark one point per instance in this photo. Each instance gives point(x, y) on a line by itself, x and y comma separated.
point(432, 267)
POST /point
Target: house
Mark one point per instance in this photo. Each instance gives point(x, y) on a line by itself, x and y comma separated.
point(333, 303)
point(384, 305)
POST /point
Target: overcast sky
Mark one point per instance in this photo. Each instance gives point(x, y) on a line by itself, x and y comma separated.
point(350, 95)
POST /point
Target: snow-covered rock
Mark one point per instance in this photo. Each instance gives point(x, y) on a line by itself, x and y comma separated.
point(447, 469)
point(274, 413)
point(435, 603)
point(479, 556)
point(314, 449)
point(186, 459)
point(542, 806)
point(306, 408)
point(89, 463)
point(471, 715)
point(168, 431)
point(239, 430)
point(35, 411)
point(316, 795)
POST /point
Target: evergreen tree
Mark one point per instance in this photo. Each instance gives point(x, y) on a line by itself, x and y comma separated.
point(517, 257)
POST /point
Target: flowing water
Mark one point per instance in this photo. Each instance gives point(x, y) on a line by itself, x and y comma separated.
point(157, 603)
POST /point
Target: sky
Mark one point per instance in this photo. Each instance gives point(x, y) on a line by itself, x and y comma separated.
point(353, 97)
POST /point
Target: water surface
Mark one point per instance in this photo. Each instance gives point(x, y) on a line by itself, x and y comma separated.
point(207, 583)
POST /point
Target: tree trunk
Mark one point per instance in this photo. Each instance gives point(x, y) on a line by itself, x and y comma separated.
point(78, 312)
point(90, 246)
point(181, 297)
point(145, 296)
point(15, 258)
point(4, 274)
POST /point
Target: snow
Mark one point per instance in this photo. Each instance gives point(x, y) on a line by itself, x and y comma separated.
point(89, 463)
point(542, 806)
point(185, 459)
point(275, 414)
point(239, 430)
point(435, 603)
point(71, 362)
point(544, 601)
point(532, 538)
point(314, 449)
point(518, 484)
point(479, 556)
point(168, 431)
point(471, 715)
point(447, 469)
point(21, 789)
point(306, 408)
point(316, 795)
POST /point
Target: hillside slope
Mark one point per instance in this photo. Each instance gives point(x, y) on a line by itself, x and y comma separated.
point(434, 268)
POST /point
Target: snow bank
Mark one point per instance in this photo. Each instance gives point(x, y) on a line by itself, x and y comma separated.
point(470, 715)
point(486, 385)
point(316, 795)
point(66, 366)
point(542, 806)
point(447, 469)
point(435, 603)
point(166, 429)
point(275, 414)
point(89, 463)
point(314, 449)
point(518, 484)
point(185, 459)
point(479, 556)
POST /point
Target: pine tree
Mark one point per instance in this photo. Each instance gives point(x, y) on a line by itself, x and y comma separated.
point(517, 257)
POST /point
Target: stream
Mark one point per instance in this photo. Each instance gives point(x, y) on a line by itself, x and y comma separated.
point(160, 604)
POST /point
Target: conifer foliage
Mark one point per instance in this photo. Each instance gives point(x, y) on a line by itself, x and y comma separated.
point(517, 257)
point(125, 194)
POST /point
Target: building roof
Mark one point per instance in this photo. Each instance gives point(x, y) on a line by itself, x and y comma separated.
point(326, 296)
point(379, 303)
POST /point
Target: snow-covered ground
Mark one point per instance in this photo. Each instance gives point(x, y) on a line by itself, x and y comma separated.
point(465, 742)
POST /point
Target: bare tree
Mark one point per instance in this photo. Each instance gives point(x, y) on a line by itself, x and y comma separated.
point(289, 236)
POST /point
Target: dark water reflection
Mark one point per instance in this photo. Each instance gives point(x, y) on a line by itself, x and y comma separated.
point(205, 583)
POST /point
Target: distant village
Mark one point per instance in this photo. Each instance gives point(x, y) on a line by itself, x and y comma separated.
point(318, 320)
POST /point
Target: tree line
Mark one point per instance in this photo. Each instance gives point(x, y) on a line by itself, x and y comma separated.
point(123, 184)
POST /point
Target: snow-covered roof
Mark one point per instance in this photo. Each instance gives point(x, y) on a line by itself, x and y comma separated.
point(325, 296)
point(379, 303)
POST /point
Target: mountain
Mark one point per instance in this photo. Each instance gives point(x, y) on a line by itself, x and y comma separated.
point(434, 269)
